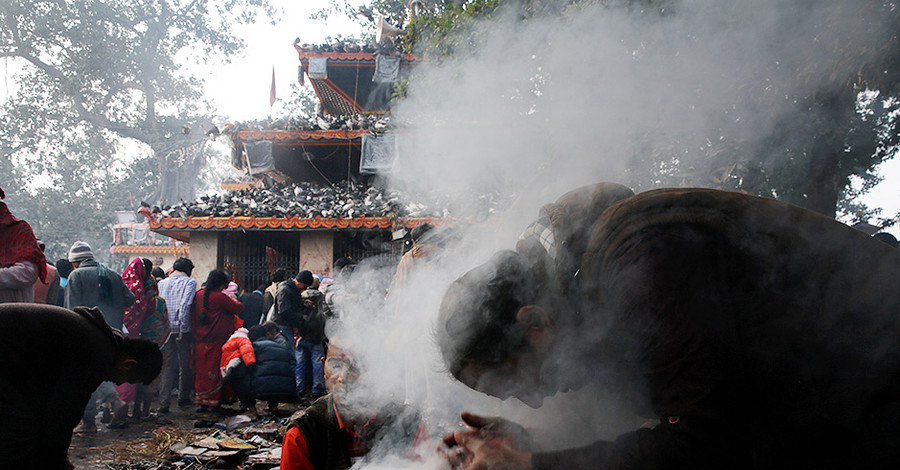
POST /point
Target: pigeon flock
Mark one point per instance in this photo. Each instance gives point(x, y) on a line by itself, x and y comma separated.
point(372, 122)
point(385, 47)
point(341, 200)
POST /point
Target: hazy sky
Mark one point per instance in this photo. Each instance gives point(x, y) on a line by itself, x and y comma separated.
point(887, 194)
point(240, 90)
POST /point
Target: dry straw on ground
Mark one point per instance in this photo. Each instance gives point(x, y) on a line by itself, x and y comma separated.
point(154, 447)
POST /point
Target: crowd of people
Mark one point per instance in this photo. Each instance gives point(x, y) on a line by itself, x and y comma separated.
point(758, 334)
point(205, 344)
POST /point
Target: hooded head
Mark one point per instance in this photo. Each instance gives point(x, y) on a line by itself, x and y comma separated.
point(494, 334)
point(478, 313)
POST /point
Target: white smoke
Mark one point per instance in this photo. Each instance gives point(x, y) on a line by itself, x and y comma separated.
point(542, 107)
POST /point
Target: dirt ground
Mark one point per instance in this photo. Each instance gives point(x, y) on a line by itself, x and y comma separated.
point(146, 443)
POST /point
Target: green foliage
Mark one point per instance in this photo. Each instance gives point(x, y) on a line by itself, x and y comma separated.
point(449, 31)
point(401, 88)
point(102, 93)
point(394, 11)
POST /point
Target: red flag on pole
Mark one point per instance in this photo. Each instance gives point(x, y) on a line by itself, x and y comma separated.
point(272, 91)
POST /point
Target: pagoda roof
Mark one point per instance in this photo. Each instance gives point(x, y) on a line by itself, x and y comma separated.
point(348, 85)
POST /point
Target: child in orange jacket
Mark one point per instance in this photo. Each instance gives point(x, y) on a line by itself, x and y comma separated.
point(237, 360)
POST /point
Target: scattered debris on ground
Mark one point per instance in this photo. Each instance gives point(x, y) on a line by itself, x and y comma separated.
point(187, 442)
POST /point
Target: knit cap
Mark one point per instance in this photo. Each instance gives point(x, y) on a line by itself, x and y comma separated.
point(80, 251)
point(304, 277)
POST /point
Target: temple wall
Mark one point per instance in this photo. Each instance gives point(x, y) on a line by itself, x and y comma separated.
point(204, 254)
point(167, 260)
point(316, 251)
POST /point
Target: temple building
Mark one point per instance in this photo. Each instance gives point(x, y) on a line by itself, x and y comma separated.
point(311, 188)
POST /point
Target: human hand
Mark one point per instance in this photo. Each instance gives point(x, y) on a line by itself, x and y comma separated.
point(476, 449)
point(500, 427)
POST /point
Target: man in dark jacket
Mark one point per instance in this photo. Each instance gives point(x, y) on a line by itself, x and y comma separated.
point(292, 311)
point(53, 359)
point(289, 303)
point(253, 306)
point(760, 334)
point(311, 344)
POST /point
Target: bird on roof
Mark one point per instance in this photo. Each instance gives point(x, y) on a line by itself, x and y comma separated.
point(365, 11)
point(325, 123)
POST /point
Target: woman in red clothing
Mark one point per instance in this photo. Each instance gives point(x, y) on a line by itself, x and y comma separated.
point(215, 317)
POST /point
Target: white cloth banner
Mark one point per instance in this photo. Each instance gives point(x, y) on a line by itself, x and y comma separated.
point(318, 68)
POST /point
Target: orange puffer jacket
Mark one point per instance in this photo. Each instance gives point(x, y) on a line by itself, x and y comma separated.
point(237, 349)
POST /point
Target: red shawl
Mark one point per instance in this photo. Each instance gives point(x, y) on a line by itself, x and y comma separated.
point(17, 243)
point(135, 277)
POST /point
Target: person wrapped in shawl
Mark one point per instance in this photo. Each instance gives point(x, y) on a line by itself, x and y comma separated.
point(21, 260)
point(137, 278)
point(134, 277)
point(154, 327)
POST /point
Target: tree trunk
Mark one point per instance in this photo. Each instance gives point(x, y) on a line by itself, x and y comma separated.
point(823, 187)
point(826, 174)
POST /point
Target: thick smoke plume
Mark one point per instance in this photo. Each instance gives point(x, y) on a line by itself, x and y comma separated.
point(545, 105)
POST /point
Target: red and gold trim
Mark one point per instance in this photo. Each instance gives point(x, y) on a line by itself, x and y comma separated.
point(288, 136)
point(151, 250)
point(281, 223)
point(346, 56)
